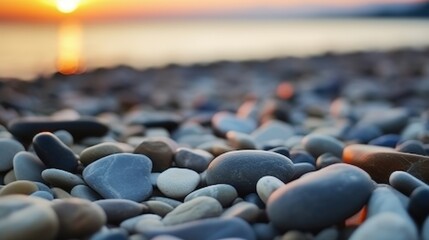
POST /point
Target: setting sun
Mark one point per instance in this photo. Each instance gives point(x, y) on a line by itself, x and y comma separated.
point(67, 6)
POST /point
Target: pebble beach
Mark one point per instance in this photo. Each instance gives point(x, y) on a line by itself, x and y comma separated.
point(328, 147)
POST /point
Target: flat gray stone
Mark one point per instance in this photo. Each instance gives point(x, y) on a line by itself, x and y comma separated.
point(122, 175)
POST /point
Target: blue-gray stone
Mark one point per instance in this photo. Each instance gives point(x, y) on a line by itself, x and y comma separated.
point(411, 146)
point(320, 199)
point(388, 140)
point(122, 175)
point(242, 169)
point(405, 182)
point(28, 166)
point(207, 229)
point(317, 144)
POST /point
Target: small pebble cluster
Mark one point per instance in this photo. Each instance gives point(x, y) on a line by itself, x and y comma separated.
point(323, 158)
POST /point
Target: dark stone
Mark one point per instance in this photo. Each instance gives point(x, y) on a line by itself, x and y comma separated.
point(388, 140)
point(320, 199)
point(207, 229)
point(418, 207)
point(412, 146)
point(24, 129)
point(301, 156)
point(242, 169)
point(363, 133)
point(302, 168)
point(380, 162)
point(54, 153)
point(281, 150)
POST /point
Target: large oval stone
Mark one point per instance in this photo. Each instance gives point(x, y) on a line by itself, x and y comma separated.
point(8, 148)
point(320, 199)
point(242, 169)
point(380, 162)
point(318, 144)
point(24, 129)
point(121, 175)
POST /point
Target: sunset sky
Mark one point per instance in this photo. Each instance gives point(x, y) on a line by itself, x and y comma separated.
point(46, 10)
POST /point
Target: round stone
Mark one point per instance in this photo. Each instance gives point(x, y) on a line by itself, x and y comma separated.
point(194, 159)
point(62, 179)
point(317, 144)
point(320, 199)
point(121, 175)
point(8, 148)
point(24, 218)
point(54, 153)
point(177, 182)
point(19, 187)
point(388, 120)
point(418, 207)
point(78, 218)
point(224, 193)
point(195, 209)
point(266, 186)
point(300, 169)
point(28, 166)
point(93, 153)
point(43, 194)
point(242, 169)
point(160, 150)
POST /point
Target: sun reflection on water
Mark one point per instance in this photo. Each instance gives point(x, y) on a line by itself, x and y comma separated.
point(69, 48)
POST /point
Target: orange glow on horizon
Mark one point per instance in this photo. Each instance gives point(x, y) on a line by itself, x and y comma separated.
point(84, 10)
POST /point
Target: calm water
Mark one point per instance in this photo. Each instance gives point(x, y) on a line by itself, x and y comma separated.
point(28, 50)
